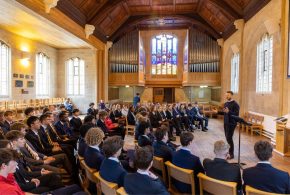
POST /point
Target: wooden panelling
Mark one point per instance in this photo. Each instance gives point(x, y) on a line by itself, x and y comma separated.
point(197, 79)
point(121, 79)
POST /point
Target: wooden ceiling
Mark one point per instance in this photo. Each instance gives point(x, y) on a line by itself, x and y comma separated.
point(114, 18)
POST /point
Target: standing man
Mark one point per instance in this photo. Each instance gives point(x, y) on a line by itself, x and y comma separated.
point(231, 109)
point(136, 100)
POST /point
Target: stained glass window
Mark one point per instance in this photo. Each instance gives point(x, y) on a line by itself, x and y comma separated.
point(164, 55)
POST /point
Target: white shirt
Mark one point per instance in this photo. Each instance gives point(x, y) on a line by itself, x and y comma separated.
point(95, 147)
point(143, 172)
point(265, 162)
point(184, 148)
point(114, 159)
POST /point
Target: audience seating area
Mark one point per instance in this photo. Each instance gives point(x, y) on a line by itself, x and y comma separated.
point(256, 121)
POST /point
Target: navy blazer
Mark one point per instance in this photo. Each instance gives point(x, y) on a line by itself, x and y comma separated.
point(63, 129)
point(5, 127)
point(175, 112)
point(222, 170)
point(162, 150)
point(267, 178)
point(113, 171)
point(184, 159)
point(136, 99)
point(93, 158)
point(136, 183)
point(130, 118)
point(145, 141)
point(33, 139)
point(82, 147)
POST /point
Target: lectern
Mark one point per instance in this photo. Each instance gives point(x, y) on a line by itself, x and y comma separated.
point(283, 140)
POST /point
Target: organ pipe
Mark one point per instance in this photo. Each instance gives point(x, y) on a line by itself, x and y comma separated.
point(123, 55)
point(203, 52)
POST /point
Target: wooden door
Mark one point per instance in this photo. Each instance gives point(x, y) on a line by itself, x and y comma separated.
point(158, 95)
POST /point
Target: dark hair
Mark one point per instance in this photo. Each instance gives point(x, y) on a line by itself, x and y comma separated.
point(28, 110)
point(44, 116)
point(102, 113)
point(46, 109)
point(143, 157)
point(230, 92)
point(263, 150)
point(91, 104)
point(14, 135)
point(131, 108)
point(112, 145)
point(142, 127)
point(4, 143)
point(75, 110)
point(88, 118)
point(137, 93)
point(6, 155)
point(62, 114)
point(8, 112)
point(185, 138)
point(160, 133)
point(61, 106)
point(31, 120)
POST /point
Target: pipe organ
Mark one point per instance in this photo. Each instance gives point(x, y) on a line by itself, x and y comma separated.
point(203, 52)
point(123, 55)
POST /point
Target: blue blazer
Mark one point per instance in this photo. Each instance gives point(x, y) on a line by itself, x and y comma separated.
point(82, 146)
point(113, 171)
point(93, 158)
point(184, 159)
point(136, 183)
point(63, 129)
point(162, 150)
point(175, 112)
point(267, 178)
point(136, 99)
point(130, 118)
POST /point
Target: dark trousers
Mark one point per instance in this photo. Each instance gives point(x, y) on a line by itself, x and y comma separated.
point(200, 120)
point(229, 132)
point(48, 183)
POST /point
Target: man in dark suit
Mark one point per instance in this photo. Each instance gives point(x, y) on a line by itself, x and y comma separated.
point(175, 120)
point(8, 120)
point(93, 155)
point(111, 169)
point(144, 182)
point(231, 109)
point(199, 117)
point(62, 126)
point(263, 176)
point(92, 111)
point(33, 135)
point(219, 168)
point(131, 118)
point(136, 100)
point(75, 122)
point(185, 159)
point(161, 147)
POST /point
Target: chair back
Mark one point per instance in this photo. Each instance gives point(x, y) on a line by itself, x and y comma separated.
point(214, 186)
point(158, 164)
point(180, 174)
point(121, 191)
point(107, 188)
point(89, 172)
point(252, 191)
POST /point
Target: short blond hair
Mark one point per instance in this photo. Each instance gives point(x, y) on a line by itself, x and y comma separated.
point(94, 136)
point(220, 146)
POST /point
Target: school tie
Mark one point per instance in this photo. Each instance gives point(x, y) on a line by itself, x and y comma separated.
point(40, 141)
point(54, 131)
point(48, 137)
point(32, 152)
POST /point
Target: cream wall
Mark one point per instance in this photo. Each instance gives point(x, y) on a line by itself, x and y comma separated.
point(90, 58)
point(17, 45)
point(245, 40)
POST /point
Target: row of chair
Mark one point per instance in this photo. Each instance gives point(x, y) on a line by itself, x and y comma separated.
point(20, 105)
point(256, 121)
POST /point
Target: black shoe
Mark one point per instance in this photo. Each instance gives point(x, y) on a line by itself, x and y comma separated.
point(204, 130)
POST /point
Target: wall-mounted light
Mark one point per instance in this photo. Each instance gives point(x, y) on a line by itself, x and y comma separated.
point(127, 86)
point(25, 57)
point(203, 86)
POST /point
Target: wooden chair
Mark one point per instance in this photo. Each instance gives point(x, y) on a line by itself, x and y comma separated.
point(252, 191)
point(214, 186)
point(121, 191)
point(107, 188)
point(158, 164)
point(130, 129)
point(257, 126)
point(89, 175)
point(180, 174)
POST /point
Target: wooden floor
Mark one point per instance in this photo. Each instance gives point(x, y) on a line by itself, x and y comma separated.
point(203, 146)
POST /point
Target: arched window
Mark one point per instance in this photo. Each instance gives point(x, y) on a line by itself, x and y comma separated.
point(4, 70)
point(164, 55)
point(42, 75)
point(235, 64)
point(75, 77)
point(264, 64)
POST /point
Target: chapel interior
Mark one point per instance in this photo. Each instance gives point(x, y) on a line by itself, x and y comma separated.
point(168, 51)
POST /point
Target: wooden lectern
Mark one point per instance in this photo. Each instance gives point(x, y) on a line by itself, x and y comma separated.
point(282, 139)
